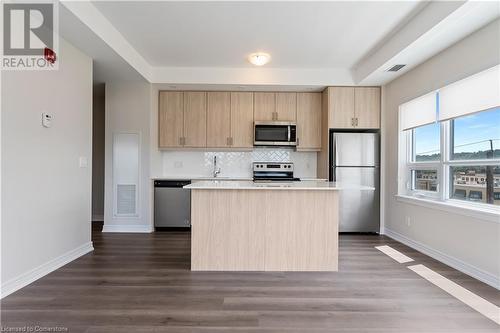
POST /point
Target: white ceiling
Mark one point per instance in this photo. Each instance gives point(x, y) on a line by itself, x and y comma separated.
point(107, 64)
point(313, 44)
point(222, 34)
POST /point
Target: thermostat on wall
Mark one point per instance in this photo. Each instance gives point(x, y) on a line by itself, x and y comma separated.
point(46, 120)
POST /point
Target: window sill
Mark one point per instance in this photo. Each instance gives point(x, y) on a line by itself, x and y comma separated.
point(462, 208)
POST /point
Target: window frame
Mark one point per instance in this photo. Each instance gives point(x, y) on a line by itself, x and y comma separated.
point(443, 167)
point(423, 193)
point(412, 165)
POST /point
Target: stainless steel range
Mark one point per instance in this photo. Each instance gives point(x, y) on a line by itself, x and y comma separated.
point(269, 172)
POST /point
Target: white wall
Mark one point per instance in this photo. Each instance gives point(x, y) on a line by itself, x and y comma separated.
point(45, 194)
point(128, 106)
point(468, 243)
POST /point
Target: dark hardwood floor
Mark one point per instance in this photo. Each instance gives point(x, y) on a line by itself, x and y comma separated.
point(142, 283)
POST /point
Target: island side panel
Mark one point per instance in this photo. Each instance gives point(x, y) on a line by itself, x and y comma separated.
point(264, 230)
point(227, 231)
point(301, 230)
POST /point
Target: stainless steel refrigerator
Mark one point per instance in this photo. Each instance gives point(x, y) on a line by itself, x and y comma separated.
point(354, 159)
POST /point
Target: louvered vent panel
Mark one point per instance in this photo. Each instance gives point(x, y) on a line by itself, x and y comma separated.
point(125, 196)
point(395, 68)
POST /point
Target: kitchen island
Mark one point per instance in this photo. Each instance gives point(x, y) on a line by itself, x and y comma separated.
point(247, 226)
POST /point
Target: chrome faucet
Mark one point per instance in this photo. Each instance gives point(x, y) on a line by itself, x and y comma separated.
point(216, 170)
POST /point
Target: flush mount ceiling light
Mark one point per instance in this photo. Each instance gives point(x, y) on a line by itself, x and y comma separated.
point(259, 58)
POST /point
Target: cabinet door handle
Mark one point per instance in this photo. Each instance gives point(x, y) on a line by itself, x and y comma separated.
point(298, 141)
point(352, 122)
point(356, 121)
point(231, 141)
point(183, 140)
point(180, 141)
point(228, 141)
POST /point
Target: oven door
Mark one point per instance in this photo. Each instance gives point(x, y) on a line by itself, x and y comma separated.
point(274, 134)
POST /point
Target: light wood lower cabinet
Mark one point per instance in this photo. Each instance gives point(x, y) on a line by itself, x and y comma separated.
point(219, 119)
point(242, 119)
point(308, 121)
point(171, 119)
point(195, 119)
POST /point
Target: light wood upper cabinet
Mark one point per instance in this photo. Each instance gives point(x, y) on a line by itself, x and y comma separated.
point(367, 107)
point(340, 107)
point(280, 106)
point(286, 106)
point(264, 106)
point(354, 107)
point(309, 121)
point(171, 119)
point(242, 119)
point(219, 119)
point(195, 119)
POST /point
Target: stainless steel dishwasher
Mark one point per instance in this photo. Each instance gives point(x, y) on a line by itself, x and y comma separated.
point(172, 203)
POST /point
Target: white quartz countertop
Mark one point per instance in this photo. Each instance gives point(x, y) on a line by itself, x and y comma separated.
point(250, 185)
point(223, 178)
point(198, 178)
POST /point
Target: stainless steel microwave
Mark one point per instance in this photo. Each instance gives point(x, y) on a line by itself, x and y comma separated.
point(275, 133)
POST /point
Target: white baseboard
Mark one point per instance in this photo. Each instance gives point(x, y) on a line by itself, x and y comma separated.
point(26, 278)
point(127, 228)
point(456, 263)
point(97, 218)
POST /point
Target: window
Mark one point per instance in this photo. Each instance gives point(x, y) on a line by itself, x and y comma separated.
point(456, 159)
point(482, 185)
point(425, 180)
point(424, 160)
point(449, 147)
point(426, 143)
point(476, 136)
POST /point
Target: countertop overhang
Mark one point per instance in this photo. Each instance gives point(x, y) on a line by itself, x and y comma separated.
point(250, 185)
point(221, 178)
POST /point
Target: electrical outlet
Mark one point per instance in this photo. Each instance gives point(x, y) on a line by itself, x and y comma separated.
point(178, 164)
point(408, 221)
point(46, 120)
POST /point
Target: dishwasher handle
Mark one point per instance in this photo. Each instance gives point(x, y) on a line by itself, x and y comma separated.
point(171, 183)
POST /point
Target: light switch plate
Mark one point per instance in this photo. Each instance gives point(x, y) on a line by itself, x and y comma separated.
point(83, 162)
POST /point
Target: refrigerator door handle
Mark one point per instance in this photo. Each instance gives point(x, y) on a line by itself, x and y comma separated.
point(334, 153)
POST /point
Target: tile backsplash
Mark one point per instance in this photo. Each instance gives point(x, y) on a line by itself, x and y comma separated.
point(234, 164)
